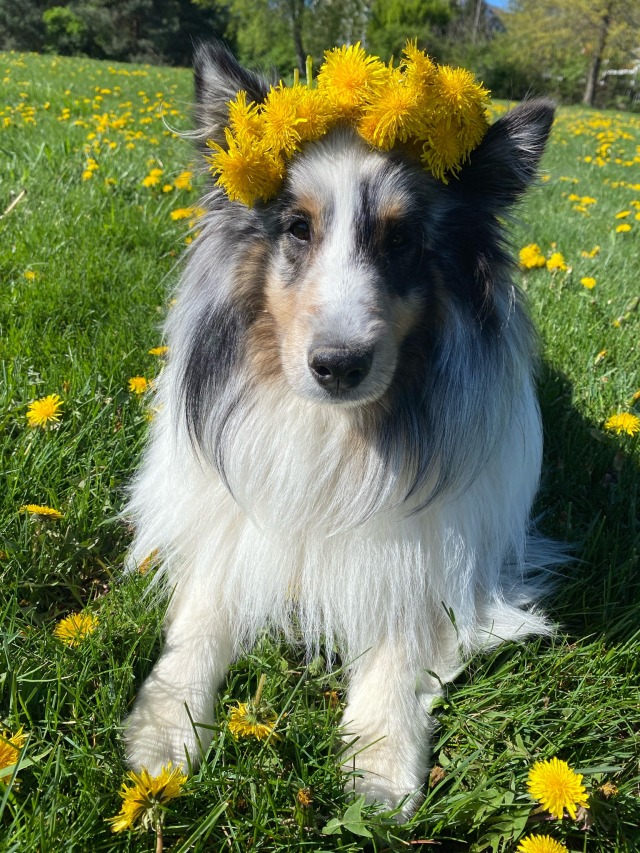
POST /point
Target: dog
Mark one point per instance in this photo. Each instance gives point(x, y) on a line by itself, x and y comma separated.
point(348, 441)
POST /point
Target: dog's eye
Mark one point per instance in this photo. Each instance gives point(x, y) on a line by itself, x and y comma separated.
point(398, 239)
point(300, 229)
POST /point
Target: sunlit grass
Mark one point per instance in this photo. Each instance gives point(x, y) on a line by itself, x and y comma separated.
point(87, 259)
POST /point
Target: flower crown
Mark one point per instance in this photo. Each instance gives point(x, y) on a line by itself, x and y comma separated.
point(438, 111)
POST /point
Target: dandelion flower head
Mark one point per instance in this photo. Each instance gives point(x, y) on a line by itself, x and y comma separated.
point(438, 111)
point(145, 794)
point(252, 719)
point(42, 511)
point(556, 787)
point(138, 384)
point(10, 746)
point(624, 423)
point(541, 844)
point(72, 630)
point(44, 411)
point(531, 257)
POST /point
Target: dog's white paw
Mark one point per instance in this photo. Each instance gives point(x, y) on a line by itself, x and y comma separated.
point(160, 729)
point(386, 773)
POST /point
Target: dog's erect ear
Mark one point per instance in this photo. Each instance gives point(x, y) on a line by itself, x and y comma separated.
point(505, 163)
point(218, 78)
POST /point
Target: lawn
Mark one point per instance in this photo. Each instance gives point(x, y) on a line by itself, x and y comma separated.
point(98, 195)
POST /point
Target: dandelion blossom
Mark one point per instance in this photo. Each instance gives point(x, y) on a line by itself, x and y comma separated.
point(623, 423)
point(44, 411)
point(159, 351)
point(10, 746)
point(557, 262)
point(557, 787)
point(348, 76)
point(531, 257)
point(41, 511)
point(588, 282)
point(138, 384)
point(144, 799)
point(622, 229)
point(254, 718)
point(73, 629)
point(541, 844)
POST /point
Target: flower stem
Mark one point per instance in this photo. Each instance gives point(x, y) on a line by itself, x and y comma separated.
point(261, 683)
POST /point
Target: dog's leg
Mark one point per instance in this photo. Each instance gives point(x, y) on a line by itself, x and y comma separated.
point(173, 712)
point(387, 726)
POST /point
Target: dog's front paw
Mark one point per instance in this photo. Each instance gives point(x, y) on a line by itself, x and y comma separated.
point(161, 729)
point(386, 774)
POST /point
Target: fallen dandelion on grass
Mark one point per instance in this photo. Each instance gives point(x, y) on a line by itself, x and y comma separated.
point(254, 718)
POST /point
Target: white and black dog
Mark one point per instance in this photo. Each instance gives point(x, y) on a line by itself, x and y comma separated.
point(348, 441)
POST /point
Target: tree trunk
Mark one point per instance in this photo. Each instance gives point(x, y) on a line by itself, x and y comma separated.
point(296, 13)
point(594, 69)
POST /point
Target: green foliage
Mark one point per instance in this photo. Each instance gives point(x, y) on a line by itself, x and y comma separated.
point(87, 266)
point(65, 31)
point(392, 22)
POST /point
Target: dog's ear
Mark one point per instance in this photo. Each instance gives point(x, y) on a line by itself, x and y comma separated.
point(505, 163)
point(218, 78)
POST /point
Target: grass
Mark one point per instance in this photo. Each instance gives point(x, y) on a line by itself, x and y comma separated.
point(86, 267)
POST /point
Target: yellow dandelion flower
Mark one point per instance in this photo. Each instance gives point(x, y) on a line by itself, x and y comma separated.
point(245, 118)
point(138, 384)
point(30, 275)
point(183, 180)
point(541, 844)
point(531, 257)
point(247, 720)
point(167, 188)
point(624, 423)
point(622, 229)
point(592, 253)
point(254, 718)
point(10, 746)
point(557, 262)
point(247, 171)
point(393, 115)
point(314, 113)
point(418, 69)
point(304, 797)
point(159, 351)
point(281, 120)
point(73, 629)
point(623, 214)
point(442, 151)
point(636, 397)
point(557, 787)
point(589, 282)
point(458, 91)
point(44, 411)
point(41, 511)
point(146, 796)
point(181, 213)
point(348, 77)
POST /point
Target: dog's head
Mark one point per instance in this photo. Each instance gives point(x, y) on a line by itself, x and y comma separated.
point(365, 283)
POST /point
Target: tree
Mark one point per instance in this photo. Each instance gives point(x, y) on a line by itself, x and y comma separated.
point(573, 39)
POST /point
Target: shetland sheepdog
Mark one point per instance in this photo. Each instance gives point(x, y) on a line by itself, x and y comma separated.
point(348, 441)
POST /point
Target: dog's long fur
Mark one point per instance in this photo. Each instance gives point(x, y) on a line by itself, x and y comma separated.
point(390, 518)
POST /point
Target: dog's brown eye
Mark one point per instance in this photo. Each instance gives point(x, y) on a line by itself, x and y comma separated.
point(300, 230)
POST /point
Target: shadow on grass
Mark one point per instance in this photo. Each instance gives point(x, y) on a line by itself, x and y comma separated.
point(589, 498)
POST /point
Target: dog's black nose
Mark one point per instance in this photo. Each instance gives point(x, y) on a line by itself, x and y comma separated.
point(339, 369)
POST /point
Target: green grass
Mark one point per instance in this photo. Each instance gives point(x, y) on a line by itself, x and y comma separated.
point(104, 255)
